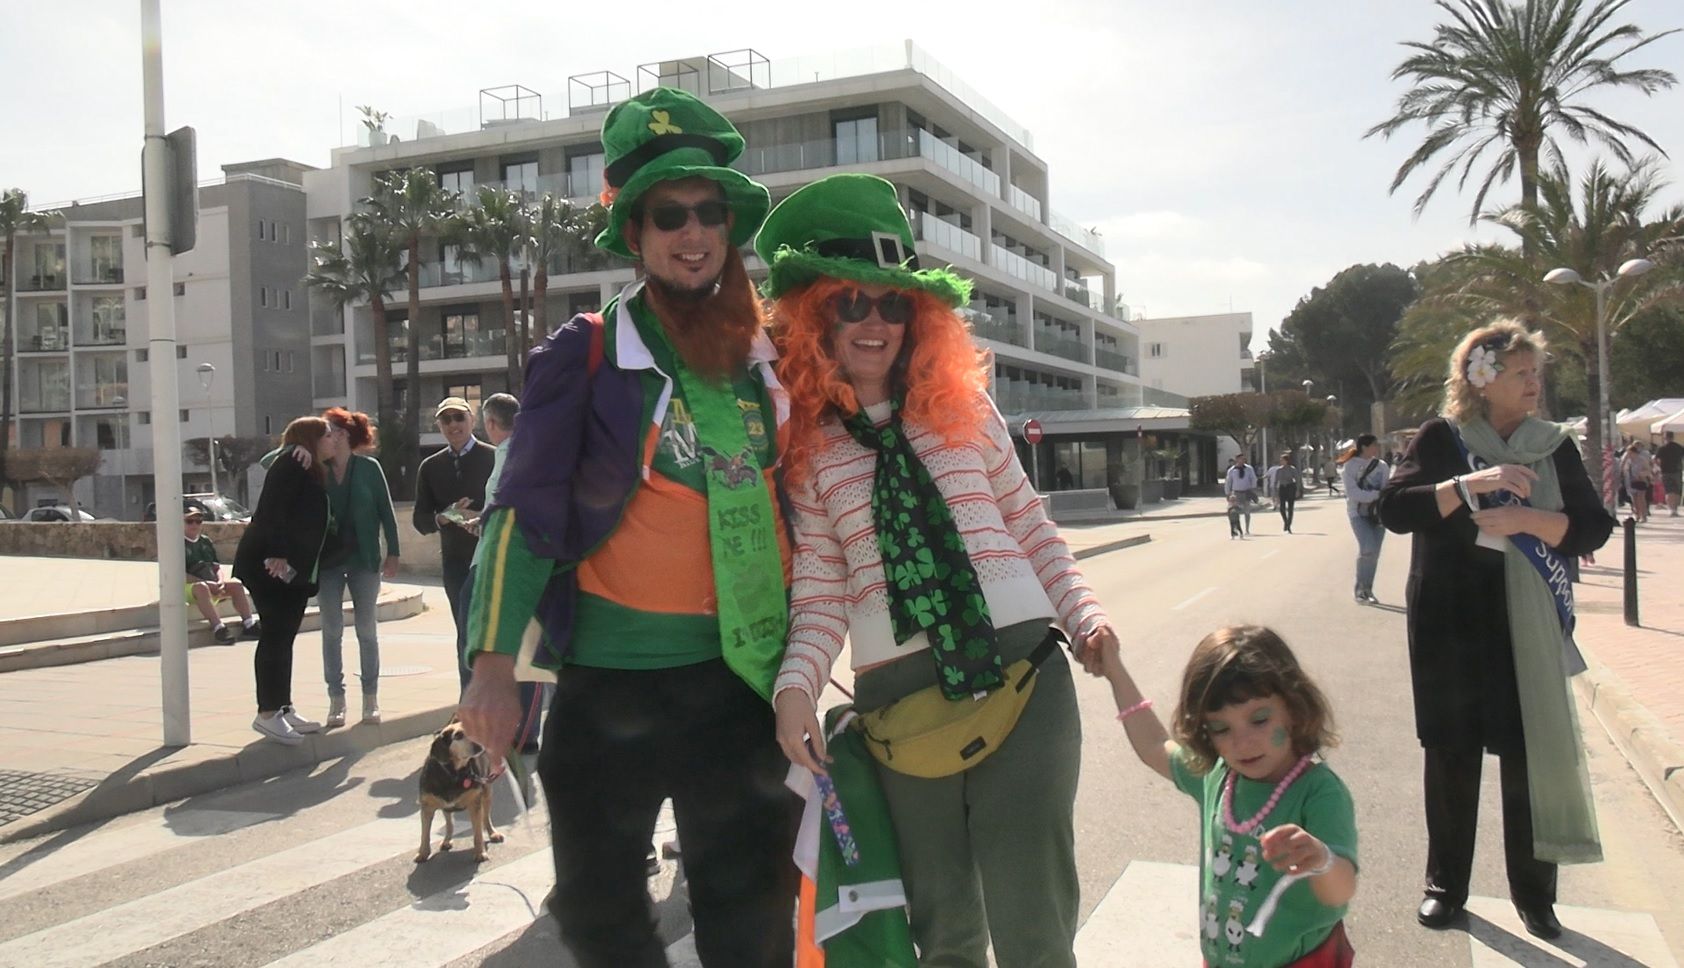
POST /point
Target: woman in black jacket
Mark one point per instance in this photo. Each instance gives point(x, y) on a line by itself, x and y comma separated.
point(277, 558)
point(1496, 499)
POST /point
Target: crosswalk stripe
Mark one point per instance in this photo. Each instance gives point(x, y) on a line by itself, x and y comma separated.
point(157, 918)
point(1594, 937)
point(1149, 919)
point(104, 849)
point(442, 927)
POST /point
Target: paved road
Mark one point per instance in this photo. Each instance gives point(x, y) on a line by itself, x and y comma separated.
point(314, 868)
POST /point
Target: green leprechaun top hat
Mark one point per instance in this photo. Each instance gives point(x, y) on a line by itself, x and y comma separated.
point(848, 227)
point(665, 134)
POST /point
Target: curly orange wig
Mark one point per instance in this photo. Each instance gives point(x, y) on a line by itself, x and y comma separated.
point(940, 370)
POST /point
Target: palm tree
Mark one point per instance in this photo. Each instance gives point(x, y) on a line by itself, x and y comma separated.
point(555, 231)
point(364, 268)
point(1592, 235)
point(410, 205)
point(15, 218)
point(499, 227)
point(1506, 76)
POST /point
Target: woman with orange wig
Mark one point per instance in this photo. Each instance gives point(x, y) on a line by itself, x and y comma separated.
point(920, 540)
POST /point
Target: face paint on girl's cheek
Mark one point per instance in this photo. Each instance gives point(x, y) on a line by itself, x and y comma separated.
point(1278, 737)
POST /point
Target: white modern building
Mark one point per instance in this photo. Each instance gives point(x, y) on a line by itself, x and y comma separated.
point(78, 303)
point(1197, 356)
point(979, 196)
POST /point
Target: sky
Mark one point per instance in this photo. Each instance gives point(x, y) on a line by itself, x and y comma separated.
point(1216, 144)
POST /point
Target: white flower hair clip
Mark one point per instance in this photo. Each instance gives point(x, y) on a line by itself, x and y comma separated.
point(1483, 366)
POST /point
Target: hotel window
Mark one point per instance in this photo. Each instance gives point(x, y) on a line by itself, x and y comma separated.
point(262, 295)
point(462, 335)
point(584, 173)
point(1154, 350)
point(467, 391)
point(521, 176)
point(458, 180)
point(286, 298)
point(856, 139)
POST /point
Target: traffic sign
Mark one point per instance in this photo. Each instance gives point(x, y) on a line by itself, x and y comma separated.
point(1032, 432)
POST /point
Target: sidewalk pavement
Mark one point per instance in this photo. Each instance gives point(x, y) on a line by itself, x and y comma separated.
point(1635, 685)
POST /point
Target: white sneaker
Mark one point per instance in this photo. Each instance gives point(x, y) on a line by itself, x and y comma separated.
point(371, 709)
point(297, 722)
point(335, 711)
point(278, 729)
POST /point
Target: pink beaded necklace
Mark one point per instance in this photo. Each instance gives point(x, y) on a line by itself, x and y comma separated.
point(1274, 798)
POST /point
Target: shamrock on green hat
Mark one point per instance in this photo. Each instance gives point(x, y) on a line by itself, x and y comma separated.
point(848, 226)
point(665, 134)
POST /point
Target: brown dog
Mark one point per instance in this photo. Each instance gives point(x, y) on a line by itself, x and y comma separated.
point(454, 780)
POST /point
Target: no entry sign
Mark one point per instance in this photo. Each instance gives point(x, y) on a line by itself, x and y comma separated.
point(1032, 432)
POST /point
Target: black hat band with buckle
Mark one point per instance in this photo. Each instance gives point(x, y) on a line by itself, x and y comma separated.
point(886, 249)
point(618, 173)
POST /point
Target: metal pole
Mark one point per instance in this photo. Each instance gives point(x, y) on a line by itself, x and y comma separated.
point(1631, 572)
point(166, 397)
point(212, 439)
point(1610, 428)
point(1263, 388)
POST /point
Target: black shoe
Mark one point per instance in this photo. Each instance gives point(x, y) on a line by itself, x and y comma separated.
point(651, 862)
point(1539, 920)
point(225, 635)
point(252, 631)
point(1437, 913)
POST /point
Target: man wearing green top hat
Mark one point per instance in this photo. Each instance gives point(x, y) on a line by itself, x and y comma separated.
point(636, 551)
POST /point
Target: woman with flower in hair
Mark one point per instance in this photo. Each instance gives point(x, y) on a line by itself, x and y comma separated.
point(1498, 502)
point(921, 541)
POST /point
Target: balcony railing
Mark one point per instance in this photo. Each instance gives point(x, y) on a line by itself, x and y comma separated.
point(574, 188)
point(1079, 293)
point(1019, 267)
point(1066, 347)
point(1024, 202)
point(44, 339)
point(999, 329)
point(434, 347)
point(1153, 397)
point(41, 281)
point(957, 162)
point(1113, 360)
point(435, 274)
point(99, 275)
point(949, 236)
point(1019, 396)
point(1072, 230)
point(102, 395)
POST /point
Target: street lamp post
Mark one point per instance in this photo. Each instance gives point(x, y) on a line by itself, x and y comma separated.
point(207, 376)
point(1263, 388)
point(1610, 426)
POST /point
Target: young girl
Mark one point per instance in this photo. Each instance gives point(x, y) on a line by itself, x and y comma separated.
point(1278, 829)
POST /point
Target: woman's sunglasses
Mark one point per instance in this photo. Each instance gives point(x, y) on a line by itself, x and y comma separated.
point(894, 308)
point(672, 217)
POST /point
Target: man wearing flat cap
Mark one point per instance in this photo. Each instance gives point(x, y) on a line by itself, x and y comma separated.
point(449, 491)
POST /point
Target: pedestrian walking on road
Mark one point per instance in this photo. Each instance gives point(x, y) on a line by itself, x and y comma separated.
point(908, 491)
point(1240, 485)
point(1670, 455)
point(1330, 471)
point(1250, 728)
point(1365, 476)
point(1496, 499)
point(638, 518)
point(289, 532)
point(1285, 482)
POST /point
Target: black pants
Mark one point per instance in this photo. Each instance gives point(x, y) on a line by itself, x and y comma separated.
point(1452, 793)
point(1286, 500)
point(617, 743)
point(456, 572)
point(281, 607)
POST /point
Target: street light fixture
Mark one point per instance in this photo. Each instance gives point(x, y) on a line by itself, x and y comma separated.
point(207, 376)
point(1610, 427)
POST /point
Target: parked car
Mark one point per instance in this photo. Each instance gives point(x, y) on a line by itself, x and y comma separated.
point(60, 512)
point(215, 507)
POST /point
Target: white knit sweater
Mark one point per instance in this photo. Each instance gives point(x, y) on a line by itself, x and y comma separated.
point(839, 592)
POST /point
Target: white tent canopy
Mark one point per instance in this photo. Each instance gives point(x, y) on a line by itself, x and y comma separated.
point(1637, 422)
point(1674, 423)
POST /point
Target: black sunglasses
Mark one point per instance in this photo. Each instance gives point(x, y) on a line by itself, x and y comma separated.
point(894, 308)
point(672, 217)
point(452, 416)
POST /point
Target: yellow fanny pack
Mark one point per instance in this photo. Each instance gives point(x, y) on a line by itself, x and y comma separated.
point(928, 735)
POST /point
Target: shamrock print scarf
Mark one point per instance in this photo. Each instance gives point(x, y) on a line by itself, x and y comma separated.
point(932, 586)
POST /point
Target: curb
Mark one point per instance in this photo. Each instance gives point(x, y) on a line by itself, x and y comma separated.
point(119, 794)
point(1638, 735)
point(1111, 546)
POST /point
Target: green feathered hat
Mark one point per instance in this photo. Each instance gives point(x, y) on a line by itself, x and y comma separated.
point(665, 134)
point(852, 227)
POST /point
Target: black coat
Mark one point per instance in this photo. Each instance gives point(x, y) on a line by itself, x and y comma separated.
point(444, 479)
point(1460, 659)
point(291, 522)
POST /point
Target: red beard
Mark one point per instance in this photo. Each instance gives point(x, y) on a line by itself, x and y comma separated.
point(711, 331)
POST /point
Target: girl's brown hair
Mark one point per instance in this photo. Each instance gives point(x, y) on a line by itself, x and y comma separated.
point(306, 432)
point(1238, 664)
point(359, 430)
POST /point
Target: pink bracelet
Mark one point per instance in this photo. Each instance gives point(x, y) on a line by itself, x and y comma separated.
point(1137, 707)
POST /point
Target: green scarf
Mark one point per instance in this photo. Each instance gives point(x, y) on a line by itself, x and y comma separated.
point(1564, 827)
point(748, 571)
point(932, 586)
